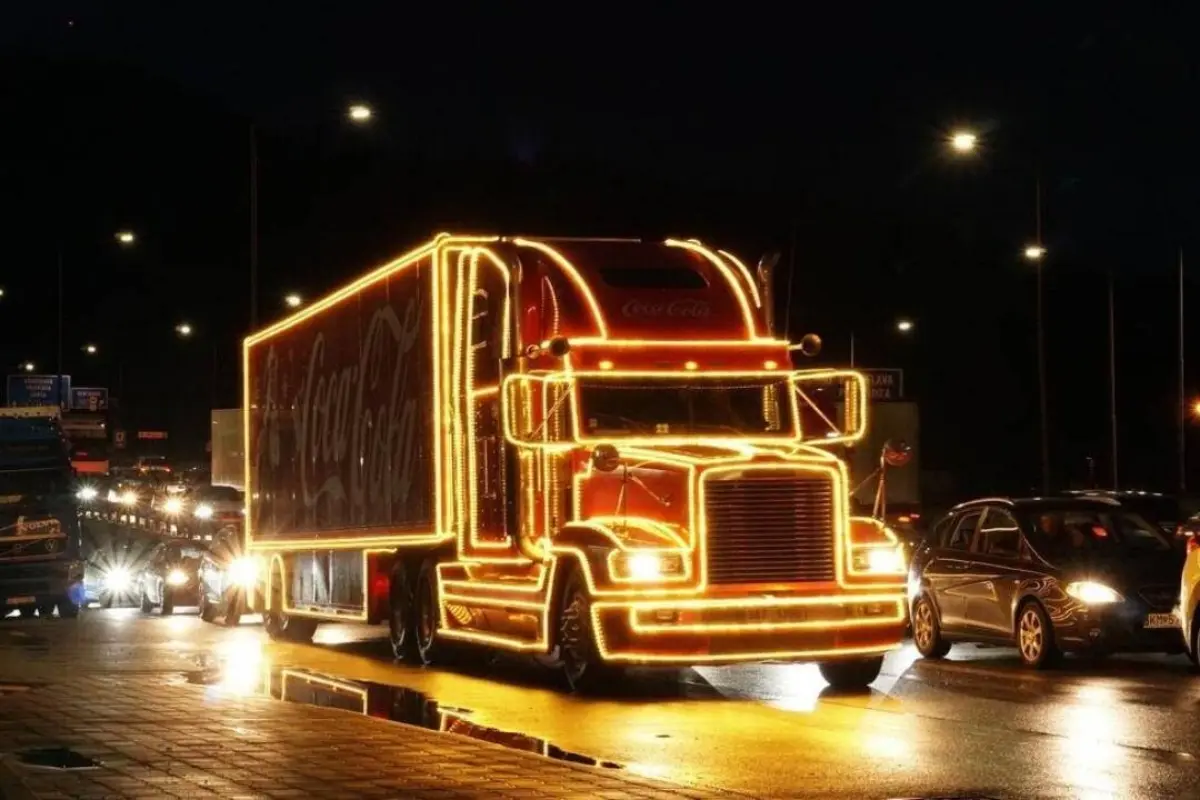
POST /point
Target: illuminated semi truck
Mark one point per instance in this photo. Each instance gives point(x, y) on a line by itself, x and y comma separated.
point(594, 452)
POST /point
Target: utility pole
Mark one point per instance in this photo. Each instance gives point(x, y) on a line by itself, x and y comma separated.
point(1182, 390)
point(1112, 375)
point(1041, 341)
point(253, 228)
point(59, 368)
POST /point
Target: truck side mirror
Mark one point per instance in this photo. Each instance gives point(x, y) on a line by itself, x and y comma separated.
point(606, 458)
point(559, 346)
point(810, 345)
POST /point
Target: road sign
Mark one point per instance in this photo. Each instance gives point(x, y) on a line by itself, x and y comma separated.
point(38, 390)
point(884, 384)
point(89, 398)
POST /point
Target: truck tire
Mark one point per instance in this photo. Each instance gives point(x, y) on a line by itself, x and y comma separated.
point(580, 664)
point(402, 629)
point(427, 614)
point(852, 674)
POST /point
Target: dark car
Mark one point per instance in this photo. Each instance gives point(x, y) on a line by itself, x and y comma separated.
point(1049, 575)
point(171, 578)
point(1166, 511)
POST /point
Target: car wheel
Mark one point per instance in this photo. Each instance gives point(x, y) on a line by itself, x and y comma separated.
point(233, 609)
point(927, 629)
point(168, 603)
point(146, 605)
point(851, 675)
point(1035, 637)
point(208, 612)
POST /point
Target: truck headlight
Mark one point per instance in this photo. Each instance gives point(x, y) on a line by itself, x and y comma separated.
point(243, 572)
point(635, 566)
point(1092, 593)
point(204, 511)
point(177, 577)
point(880, 561)
point(116, 579)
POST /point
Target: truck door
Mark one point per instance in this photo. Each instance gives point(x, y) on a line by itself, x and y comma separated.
point(482, 458)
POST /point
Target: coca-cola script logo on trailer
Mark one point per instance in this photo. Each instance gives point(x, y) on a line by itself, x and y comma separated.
point(688, 309)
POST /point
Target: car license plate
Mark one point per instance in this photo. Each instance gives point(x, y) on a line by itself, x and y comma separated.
point(1162, 621)
point(21, 601)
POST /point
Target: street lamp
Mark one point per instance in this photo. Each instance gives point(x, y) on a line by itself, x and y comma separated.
point(126, 237)
point(91, 349)
point(29, 366)
point(904, 325)
point(963, 142)
point(183, 329)
point(359, 112)
point(293, 300)
point(1035, 252)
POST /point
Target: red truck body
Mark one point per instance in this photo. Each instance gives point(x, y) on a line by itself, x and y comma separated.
point(593, 451)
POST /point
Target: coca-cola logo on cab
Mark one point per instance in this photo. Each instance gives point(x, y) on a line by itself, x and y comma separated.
point(689, 309)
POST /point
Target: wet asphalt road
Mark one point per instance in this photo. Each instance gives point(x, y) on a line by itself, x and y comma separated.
point(977, 724)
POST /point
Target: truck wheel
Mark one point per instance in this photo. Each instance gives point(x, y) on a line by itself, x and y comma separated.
point(285, 627)
point(402, 629)
point(851, 675)
point(168, 603)
point(427, 614)
point(575, 642)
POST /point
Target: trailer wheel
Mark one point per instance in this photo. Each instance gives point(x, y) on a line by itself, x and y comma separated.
point(427, 608)
point(402, 629)
point(285, 627)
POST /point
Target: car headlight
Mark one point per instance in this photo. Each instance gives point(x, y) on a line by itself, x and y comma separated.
point(880, 560)
point(243, 572)
point(129, 498)
point(173, 505)
point(635, 566)
point(116, 579)
point(86, 494)
point(204, 511)
point(1092, 593)
point(177, 577)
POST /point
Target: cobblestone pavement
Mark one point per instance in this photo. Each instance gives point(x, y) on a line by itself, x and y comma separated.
point(153, 734)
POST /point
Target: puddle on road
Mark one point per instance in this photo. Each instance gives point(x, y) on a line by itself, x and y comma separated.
point(56, 758)
point(393, 703)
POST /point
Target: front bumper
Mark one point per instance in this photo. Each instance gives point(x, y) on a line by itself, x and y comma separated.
point(33, 582)
point(747, 629)
point(1120, 627)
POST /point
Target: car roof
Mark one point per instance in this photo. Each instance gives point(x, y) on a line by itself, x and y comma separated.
point(1040, 503)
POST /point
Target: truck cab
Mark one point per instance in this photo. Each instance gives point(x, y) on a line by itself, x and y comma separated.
point(40, 537)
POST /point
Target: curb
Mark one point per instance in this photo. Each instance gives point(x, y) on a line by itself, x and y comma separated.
point(12, 787)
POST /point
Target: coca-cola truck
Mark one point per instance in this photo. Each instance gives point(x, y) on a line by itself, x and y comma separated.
point(592, 451)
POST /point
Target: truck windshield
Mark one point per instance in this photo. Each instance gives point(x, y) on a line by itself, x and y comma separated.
point(702, 408)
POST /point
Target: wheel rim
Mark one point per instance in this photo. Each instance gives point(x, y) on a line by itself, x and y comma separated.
point(1032, 635)
point(399, 621)
point(923, 625)
point(572, 634)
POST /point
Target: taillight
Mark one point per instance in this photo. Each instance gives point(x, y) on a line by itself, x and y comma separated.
point(1192, 544)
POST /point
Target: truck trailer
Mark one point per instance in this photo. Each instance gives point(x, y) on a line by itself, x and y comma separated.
point(592, 451)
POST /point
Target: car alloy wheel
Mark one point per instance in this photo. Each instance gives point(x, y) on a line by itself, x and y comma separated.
point(1031, 635)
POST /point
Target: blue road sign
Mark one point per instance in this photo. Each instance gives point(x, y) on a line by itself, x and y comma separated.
point(38, 390)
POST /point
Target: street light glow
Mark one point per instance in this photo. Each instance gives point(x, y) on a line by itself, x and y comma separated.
point(359, 112)
point(126, 237)
point(1035, 252)
point(904, 325)
point(963, 141)
point(29, 366)
point(91, 349)
point(293, 300)
point(183, 329)
point(1196, 408)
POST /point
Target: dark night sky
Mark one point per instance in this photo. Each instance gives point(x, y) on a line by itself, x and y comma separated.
point(750, 129)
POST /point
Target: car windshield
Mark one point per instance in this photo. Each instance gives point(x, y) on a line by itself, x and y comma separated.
point(1070, 532)
point(728, 407)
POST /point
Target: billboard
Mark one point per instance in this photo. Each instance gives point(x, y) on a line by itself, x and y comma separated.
point(38, 390)
point(88, 398)
point(884, 385)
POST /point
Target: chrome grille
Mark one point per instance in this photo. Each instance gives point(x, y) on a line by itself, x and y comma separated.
point(770, 528)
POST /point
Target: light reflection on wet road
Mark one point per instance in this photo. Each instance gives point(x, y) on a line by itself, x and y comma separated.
point(979, 723)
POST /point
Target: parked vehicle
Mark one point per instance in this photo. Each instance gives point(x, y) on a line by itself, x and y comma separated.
point(1167, 511)
point(171, 578)
point(593, 452)
point(41, 567)
point(1189, 601)
point(1050, 575)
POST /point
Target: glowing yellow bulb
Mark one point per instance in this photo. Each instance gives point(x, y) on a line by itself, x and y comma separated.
point(606, 364)
point(770, 364)
point(691, 365)
point(963, 141)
